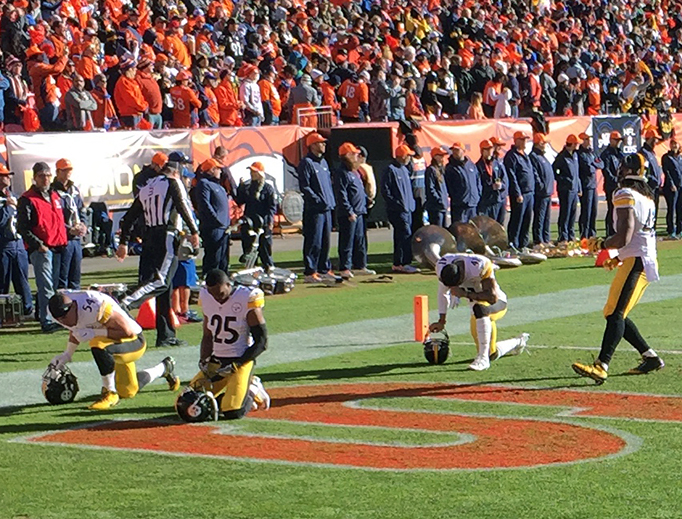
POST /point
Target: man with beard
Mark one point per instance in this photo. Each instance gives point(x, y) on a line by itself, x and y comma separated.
point(464, 185)
point(40, 221)
point(258, 198)
point(351, 208)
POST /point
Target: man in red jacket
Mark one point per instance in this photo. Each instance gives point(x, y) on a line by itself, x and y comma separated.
point(40, 221)
point(150, 91)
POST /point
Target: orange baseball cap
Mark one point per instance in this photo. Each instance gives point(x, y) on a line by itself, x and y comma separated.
point(160, 159)
point(4, 170)
point(64, 164)
point(539, 138)
point(616, 135)
point(521, 135)
point(572, 139)
point(438, 151)
point(403, 151)
point(496, 142)
point(485, 144)
point(457, 145)
point(313, 138)
point(348, 147)
point(161, 58)
point(584, 136)
point(257, 166)
point(209, 164)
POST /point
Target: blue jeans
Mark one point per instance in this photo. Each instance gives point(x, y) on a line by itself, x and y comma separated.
point(130, 121)
point(46, 268)
point(70, 270)
point(437, 218)
point(14, 269)
point(156, 120)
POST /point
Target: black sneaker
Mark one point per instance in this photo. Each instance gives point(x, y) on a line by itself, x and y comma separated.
point(51, 328)
point(648, 365)
point(171, 343)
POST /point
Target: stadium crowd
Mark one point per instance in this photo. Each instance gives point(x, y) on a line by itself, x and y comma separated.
point(81, 65)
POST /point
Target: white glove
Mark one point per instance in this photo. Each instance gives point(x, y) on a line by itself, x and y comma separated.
point(61, 360)
point(454, 302)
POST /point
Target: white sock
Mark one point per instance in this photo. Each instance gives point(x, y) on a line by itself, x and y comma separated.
point(109, 381)
point(602, 364)
point(484, 330)
point(504, 347)
point(155, 372)
point(650, 353)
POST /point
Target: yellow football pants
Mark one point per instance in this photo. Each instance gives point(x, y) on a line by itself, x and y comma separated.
point(125, 353)
point(493, 334)
point(627, 288)
point(234, 387)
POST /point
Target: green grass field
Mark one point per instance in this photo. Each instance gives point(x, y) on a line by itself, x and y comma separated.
point(57, 481)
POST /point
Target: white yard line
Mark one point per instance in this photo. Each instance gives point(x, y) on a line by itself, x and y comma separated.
point(23, 387)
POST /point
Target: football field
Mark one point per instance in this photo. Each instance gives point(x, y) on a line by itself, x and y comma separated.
point(360, 425)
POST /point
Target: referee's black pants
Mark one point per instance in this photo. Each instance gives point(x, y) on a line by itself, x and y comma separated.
point(158, 263)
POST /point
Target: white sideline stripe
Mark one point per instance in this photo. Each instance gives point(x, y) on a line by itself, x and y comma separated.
point(23, 387)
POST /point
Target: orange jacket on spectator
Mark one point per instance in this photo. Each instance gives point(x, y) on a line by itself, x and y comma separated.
point(212, 108)
point(177, 48)
point(413, 106)
point(87, 67)
point(64, 84)
point(329, 96)
point(354, 94)
point(115, 9)
point(268, 92)
point(128, 97)
point(105, 108)
point(150, 91)
point(184, 102)
point(535, 90)
point(228, 103)
point(38, 71)
point(491, 91)
point(593, 96)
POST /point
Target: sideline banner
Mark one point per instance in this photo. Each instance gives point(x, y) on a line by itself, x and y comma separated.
point(103, 163)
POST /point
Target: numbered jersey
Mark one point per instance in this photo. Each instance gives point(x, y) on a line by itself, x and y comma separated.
point(476, 269)
point(95, 309)
point(643, 242)
point(227, 321)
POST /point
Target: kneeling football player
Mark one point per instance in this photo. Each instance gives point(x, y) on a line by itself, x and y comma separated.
point(115, 340)
point(472, 277)
point(234, 336)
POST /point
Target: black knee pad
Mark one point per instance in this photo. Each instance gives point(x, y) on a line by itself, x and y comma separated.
point(104, 360)
point(481, 311)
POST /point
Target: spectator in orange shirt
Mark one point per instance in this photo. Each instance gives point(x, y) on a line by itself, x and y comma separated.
point(128, 96)
point(475, 110)
point(151, 92)
point(413, 106)
point(87, 67)
point(228, 103)
point(593, 88)
point(177, 48)
point(354, 94)
point(272, 105)
point(65, 82)
point(185, 102)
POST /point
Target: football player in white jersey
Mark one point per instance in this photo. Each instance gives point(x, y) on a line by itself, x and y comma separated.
point(633, 251)
point(234, 335)
point(115, 340)
point(472, 277)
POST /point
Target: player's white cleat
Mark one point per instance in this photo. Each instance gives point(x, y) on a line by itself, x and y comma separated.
point(523, 342)
point(260, 395)
point(480, 364)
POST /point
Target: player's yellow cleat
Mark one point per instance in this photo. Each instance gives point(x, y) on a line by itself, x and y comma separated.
point(109, 399)
point(169, 375)
point(594, 371)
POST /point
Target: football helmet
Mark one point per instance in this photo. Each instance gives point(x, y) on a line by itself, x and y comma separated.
point(195, 406)
point(60, 386)
point(436, 351)
point(634, 167)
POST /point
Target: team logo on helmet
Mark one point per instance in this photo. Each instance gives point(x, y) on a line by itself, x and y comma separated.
point(196, 406)
point(60, 386)
point(436, 351)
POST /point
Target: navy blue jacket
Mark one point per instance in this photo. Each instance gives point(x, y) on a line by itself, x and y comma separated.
point(490, 196)
point(436, 191)
point(261, 204)
point(654, 172)
point(544, 174)
point(396, 189)
point(589, 164)
point(520, 173)
point(212, 206)
point(567, 172)
point(672, 168)
point(463, 182)
point(315, 182)
point(350, 193)
point(8, 222)
point(612, 159)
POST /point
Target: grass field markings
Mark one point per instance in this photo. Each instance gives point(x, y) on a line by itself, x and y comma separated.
point(24, 386)
point(532, 346)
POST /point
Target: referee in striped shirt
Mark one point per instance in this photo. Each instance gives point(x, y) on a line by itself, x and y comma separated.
point(161, 201)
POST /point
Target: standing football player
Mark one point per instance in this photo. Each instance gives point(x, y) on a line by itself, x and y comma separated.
point(472, 277)
point(115, 340)
point(635, 242)
point(234, 335)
